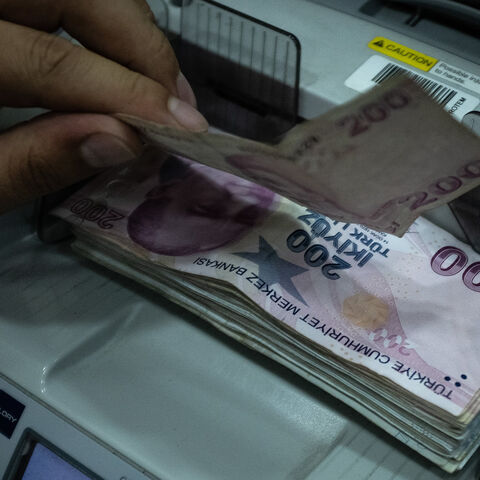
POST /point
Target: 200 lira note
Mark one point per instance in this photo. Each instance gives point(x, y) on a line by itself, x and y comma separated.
point(379, 160)
point(406, 309)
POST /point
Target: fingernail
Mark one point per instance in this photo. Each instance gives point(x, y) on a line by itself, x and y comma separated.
point(102, 150)
point(185, 91)
point(186, 115)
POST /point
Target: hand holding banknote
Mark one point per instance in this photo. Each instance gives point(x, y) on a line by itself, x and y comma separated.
point(380, 160)
point(127, 66)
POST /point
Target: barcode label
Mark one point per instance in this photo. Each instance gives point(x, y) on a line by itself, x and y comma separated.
point(440, 93)
point(377, 69)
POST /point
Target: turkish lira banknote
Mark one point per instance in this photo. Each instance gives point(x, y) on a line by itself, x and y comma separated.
point(380, 160)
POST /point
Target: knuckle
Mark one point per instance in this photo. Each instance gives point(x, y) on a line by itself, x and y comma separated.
point(164, 63)
point(162, 58)
point(136, 87)
point(49, 56)
point(163, 49)
point(140, 92)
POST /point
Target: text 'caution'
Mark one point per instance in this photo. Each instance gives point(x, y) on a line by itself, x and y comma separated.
point(402, 53)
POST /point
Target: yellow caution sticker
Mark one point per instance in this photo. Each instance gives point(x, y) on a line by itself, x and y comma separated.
point(402, 53)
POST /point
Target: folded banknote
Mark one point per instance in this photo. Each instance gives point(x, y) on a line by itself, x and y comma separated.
point(389, 325)
point(380, 160)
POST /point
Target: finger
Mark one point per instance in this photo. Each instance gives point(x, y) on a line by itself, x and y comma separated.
point(54, 151)
point(122, 30)
point(39, 69)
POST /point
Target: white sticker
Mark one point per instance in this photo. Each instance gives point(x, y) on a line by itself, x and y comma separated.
point(377, 69)
point(457, 75)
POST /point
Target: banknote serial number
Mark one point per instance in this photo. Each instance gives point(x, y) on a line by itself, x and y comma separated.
point(374, 112)
point(91, 211)
point(449, 261)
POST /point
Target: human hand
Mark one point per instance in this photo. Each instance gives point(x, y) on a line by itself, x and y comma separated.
point(127, 66)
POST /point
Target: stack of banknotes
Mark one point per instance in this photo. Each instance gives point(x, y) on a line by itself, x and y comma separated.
point(388, 325)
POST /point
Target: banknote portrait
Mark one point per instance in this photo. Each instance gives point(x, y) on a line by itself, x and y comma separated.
point(178, 216)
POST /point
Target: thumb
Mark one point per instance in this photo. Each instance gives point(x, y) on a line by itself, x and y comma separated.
point(54, 151)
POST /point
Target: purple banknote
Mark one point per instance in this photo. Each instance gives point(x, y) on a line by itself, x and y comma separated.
point(405, 308)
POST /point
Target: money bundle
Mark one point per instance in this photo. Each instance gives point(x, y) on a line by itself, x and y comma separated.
point(388, 325)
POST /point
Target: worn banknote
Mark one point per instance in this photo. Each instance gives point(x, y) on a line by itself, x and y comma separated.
point(380, 160)
point(404, 309)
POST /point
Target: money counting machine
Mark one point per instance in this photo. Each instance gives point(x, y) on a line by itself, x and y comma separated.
point(100, 378)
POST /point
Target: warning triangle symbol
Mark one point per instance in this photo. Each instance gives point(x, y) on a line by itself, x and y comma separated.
point(379, 43)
